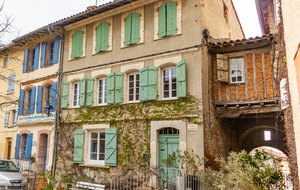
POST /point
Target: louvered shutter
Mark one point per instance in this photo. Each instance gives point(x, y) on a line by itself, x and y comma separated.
point(98, 38)
point(135, 30)
point(32, 101)
point(36, 57)
point(152, 83)
point(65, 94)
point(6, 118)
point(25, 60)
point(39, 99)
point(53, 96)
point(74, 45)
point(171, 18)
point(144, 72)
point(82, 92)
point(119, 87)
point(21, 101)
point(17, 148)
point(222, 67)
point(29, 146)
point(89, 91)
point(181, 79)
point(55, 50)
point(111, 88)
point(162, 25)
point(79, 43)
point(15, 117)
point(111, 147)
point(43, 54)
point(78, 146)
point(104, 36)
point(128, 30)
point(12, 83)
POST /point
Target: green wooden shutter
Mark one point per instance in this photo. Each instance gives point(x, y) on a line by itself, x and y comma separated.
point(78, 146)
point(65, 94)
point(152, 83)
point(111, 88)
point(79, 44)
point(89, 91)
point(171, 18)
point(74, 46)
point(119, 87)
point(82, 92)
point(98, 38)
point(181, 79)
point(128, 30)
point(162, 25)
point(104, 36)
point(111, 147)
point(144, 84)
point(135, 28)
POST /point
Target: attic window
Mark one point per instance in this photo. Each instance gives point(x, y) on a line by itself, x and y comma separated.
point(225, 11)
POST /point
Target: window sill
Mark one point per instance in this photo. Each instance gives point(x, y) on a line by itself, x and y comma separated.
point(165, 37)
point(8, 93)
point(77, 58)
point(94, 165)
point(101, 52)
point(131, 45)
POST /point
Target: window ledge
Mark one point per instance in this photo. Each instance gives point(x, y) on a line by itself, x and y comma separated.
point(77, 58)
point(101, 52)
point(132, 45)
point(165, 37)
point(94, 165)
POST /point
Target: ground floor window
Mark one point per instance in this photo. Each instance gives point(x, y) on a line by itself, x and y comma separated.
point(97, 146)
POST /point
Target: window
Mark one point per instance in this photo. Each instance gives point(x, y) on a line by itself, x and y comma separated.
point(133, 87)
point(28, 101)
point(24, 147)
point(102, 91)
point(169, 83)
point(51, 53)
point(167, 21)
point(102, 37)
point(11, 117)
point(97, 147)
point(77, 44)
point(5, 61)
point(132, 29)
point(48, 99)
point(11, 83)
point(31, 62)
point(236, 70)
point(267, 135)
point(76, 95)
point(31, 59)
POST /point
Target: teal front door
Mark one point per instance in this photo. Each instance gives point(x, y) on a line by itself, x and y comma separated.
point(168, 146)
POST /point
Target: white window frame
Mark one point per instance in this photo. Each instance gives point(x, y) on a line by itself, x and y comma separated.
point(242, 69)
point(102, 162)
point(78, 95)
point(170, 83)
point(134, 87)
point(104, 92)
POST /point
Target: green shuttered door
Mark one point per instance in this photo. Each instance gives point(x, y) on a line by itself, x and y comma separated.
point(111, 88)
point(111, 147)
point(65, 94)
point(119, 87)
point(78, 146)
point(181, 79)
point(89, 91)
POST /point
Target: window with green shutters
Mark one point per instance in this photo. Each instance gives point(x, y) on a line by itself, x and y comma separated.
point(89, 91)
point(111, 144)
point(76, 94)
point(181, 79)
point(133, 87)
point(119, 88)
point(78, 146)
point(111, 88)
point(65, 94)
point(132, 29)
point(82, 92)
point(77, 44)
point(102, 37)
point(148, 83)
point(167, 19)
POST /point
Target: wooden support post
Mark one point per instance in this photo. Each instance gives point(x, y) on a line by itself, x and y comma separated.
point(237, 92)
point(220, 91)
point(246, 78)
point(254, 77)
point(264, 74)
point(228, 92)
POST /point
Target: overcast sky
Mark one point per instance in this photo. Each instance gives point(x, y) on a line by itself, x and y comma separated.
point(30, 15)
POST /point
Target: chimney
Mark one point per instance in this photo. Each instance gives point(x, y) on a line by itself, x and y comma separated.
point(90, 7)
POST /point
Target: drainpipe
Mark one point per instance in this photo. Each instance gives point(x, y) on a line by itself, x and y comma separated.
point(57, 110)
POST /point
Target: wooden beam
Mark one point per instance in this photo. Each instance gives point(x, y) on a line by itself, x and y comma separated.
point(220, 91)
point(247, 102)
point(228, 92)
point(264, 74)
point(237, 92)
point(246, 77)
point(254, 77)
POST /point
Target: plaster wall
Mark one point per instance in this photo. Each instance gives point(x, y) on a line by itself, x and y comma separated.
point(291, 14)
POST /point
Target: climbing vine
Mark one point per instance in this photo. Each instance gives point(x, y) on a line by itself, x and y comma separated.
point(133, 123)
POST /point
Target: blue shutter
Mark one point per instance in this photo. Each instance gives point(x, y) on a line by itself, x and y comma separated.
point(12, 82)
point(56, 50)
point(43, 54)
point(53, 96)
point(32, 101)
point(6, 118)
point(25, 60)
point(17, 146)
point(9, 84)
point(15, 117)
point(21, 102)
point(39, 99)
point(29, 146)
point(36, 58)
point(111, 144)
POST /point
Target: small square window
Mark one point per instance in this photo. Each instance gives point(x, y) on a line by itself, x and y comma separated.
point(236, 70)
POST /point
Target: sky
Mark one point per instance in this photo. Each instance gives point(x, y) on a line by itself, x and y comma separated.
point(30, 15)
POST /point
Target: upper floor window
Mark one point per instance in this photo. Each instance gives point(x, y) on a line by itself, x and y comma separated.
point(236, 70)
point(167, 21)
point(77, 44)
point(28, 101)
point(11, 117)
point(132, 29)
point(31, 59)
point(102, 37)
point(169, 85)
point(76, 94)
point(102, 91)
point(11, 83)
point(133, 87)
point(5, 61)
